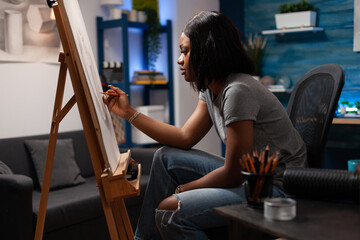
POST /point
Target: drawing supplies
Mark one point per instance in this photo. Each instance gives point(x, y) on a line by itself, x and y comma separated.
point(110, 93)
point(274, 162)
point(251, 163)
point(256, 154)
point(260, 180)
point(256, 163)
point(268, 164)
point(246, 164)
point(261, 164)
point(262, 161)
point(266, 154)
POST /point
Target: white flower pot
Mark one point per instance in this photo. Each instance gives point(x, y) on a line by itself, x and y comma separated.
point(342, 111)
point(295, 19)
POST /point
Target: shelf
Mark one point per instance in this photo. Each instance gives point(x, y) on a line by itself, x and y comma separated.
point(153, 86)
point(288, 91)
point(125, 85)
point(292, 30)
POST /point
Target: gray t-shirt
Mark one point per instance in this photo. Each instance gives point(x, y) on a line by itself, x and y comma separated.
point(244, 98)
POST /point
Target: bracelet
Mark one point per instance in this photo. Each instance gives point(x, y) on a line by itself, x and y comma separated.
point(177, 190)
point(133, 117)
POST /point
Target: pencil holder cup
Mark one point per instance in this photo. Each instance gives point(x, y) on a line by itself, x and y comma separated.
point(258, 188)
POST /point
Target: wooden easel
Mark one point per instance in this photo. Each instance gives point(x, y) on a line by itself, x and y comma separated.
point(113, 186)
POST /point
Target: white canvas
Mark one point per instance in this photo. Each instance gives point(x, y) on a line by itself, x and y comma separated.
point(88, 62)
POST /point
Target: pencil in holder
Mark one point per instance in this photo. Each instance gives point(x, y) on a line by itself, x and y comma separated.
point(258, 188)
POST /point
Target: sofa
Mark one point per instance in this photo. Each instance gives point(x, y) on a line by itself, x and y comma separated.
point(73, 211)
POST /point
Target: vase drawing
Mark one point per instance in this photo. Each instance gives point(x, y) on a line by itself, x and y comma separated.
point(13, 32)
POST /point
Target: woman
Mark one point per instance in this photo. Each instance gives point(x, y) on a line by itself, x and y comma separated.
point(186, 184)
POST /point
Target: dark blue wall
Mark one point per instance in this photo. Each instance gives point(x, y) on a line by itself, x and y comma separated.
point(295, 54)
point(234, 9)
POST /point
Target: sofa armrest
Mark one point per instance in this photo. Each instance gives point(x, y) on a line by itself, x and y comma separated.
point(16, 215)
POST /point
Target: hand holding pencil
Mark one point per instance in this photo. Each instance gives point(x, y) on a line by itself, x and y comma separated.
point(117, 102)
point(110, 93)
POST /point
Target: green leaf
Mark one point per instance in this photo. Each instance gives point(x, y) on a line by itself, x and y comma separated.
point(303, 5)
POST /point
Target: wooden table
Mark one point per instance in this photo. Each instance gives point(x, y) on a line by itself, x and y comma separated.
point(314, 220)
point(346, 121)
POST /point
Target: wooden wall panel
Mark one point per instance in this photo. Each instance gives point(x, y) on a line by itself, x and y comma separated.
point(295, 54)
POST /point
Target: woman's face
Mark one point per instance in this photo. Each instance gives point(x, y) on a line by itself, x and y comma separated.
point(184, 58)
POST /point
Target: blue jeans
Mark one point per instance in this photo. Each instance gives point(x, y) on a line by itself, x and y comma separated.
point(172, 167)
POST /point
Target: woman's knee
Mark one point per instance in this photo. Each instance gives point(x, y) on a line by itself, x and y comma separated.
point(169, 203)
point(160, 155)
point(161, 151)
point(166, 214)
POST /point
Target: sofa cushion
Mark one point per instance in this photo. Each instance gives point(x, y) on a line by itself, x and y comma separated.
point(65, 171)
point(4, 169)
point(69, 206)
point(82, 155)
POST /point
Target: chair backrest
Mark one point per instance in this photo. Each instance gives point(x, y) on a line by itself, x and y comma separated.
point(312, 107)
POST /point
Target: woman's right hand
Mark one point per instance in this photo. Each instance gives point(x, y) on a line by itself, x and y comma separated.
point(119, 104)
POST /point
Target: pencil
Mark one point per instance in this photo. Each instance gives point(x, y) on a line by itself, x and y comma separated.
point(262, 161)
point(264, 168)
point(266, 154)
point(274, 161)
point(110, 93)
point(268, 164)
point(246, 164)
point(260, 181)
point(251, 163)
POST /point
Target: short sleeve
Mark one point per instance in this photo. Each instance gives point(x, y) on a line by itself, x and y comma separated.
point(202, 96)
point(239, 103)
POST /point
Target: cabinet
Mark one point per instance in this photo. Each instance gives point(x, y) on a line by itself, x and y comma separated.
point(125, 25)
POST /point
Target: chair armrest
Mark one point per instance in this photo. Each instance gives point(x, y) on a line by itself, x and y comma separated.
point(16, 215)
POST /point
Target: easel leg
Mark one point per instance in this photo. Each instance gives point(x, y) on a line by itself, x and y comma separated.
point(122, 219)
point(109, 214)
point(51, 150)
point(126, 219)
point(118, 219)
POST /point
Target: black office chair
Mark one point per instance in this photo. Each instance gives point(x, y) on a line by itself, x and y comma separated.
point(312, 107)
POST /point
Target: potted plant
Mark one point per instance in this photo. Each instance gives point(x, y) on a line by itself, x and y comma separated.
point(357, 105)
point(255, 48)
point(152, 40)
point(343, 104)
point(296, 15)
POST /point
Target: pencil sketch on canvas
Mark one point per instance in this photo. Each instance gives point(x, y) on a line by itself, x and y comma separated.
point(28, 32)
point(89, 66)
